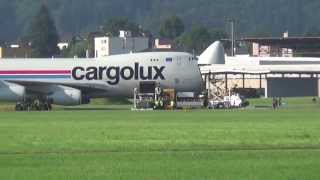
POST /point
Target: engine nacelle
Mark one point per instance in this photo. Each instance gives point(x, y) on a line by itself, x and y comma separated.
point(11, 92)
point(67, 96)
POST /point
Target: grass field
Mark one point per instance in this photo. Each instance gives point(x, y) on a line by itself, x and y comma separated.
point(111, 142)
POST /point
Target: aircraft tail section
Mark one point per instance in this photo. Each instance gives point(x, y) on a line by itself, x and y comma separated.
point(214, 54)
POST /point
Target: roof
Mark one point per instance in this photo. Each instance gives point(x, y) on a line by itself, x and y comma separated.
point(165, 41)
point(265, 65)
point(285, 42)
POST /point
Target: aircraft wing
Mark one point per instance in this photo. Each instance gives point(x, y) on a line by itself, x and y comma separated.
point(91, 87)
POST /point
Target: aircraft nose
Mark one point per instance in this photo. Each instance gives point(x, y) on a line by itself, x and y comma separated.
point(201, 83)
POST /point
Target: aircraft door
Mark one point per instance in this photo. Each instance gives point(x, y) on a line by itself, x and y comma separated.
point(179, 60)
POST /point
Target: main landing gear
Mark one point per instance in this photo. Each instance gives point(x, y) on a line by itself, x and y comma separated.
point(34, 105)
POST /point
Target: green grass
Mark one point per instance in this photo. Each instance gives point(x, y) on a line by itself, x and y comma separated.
point(304, 103)
point(109, 142)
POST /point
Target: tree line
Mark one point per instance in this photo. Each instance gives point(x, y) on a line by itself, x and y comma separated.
point(253, 17)
point(43, 36)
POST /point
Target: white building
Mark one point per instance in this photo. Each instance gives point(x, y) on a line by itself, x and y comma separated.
point(125, 43)
point(63, 45)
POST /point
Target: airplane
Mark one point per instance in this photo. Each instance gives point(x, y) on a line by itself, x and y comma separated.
point(71, 82)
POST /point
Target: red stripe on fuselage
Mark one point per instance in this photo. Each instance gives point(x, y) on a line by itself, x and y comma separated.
point(36, 72)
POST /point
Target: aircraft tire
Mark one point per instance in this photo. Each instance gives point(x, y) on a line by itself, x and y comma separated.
point(18, 107)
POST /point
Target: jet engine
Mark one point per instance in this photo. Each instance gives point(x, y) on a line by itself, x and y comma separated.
point(67, 96)
point(11, 92)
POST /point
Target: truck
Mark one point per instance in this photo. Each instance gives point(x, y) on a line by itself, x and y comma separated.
point(231, 101)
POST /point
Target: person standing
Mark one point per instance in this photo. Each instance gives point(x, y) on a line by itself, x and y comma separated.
point(274, 103)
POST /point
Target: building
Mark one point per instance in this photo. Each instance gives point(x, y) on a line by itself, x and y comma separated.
point(125, 43)
point(268, 76)
point(15, 51)
point(272, 77)
point(163, 44)
point(63, 45)
point(284, 46)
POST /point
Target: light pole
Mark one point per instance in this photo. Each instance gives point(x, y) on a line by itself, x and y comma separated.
point(233, 37)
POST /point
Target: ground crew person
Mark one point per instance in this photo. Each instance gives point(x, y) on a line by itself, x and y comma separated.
point(172, 104)
point(161, 103)
point(156, 106)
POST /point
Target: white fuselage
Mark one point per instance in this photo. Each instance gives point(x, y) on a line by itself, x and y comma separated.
point(118, 75)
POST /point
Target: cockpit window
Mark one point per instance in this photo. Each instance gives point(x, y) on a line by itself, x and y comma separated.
point(169, 59)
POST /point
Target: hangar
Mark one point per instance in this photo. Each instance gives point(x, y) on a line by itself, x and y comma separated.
point(270, 76)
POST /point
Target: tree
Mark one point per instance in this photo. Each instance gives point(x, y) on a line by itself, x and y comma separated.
point(199, 39)
point(77, 48)
point(82, 16)
point(8, 25)
point(217, 34)
point(43, 35)
point(312, 31)
point(113, 27)
point(172, 28)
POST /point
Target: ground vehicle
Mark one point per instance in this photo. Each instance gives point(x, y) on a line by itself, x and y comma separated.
point(232, 101)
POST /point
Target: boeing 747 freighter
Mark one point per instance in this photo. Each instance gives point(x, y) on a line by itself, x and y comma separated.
point(71, 82)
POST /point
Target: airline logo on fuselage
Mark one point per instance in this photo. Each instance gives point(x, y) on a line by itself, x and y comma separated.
point(115, 73)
